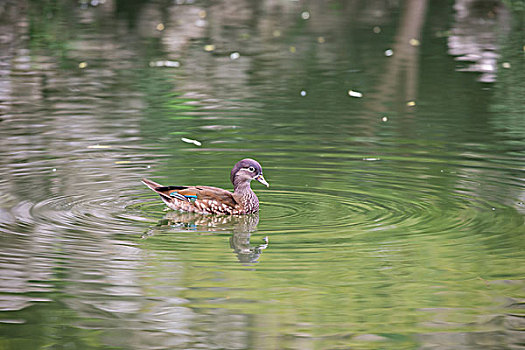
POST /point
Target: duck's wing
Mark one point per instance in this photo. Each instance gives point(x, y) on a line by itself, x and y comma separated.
point(204, 198)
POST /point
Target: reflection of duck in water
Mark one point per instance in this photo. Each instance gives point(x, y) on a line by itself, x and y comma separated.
point(214, 200)
point(214, 223)
point(246, 252)
point(240, 225)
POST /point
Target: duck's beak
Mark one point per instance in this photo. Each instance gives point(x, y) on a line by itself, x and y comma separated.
point(261, 179)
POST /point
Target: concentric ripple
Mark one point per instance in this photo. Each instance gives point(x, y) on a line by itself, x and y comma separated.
point(358, 200)
point(415, 205)
point(101, 214)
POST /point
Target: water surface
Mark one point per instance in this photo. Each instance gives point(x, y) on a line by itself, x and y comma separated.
point(394, 218)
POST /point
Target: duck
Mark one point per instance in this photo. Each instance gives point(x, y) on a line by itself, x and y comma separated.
point(215, 200)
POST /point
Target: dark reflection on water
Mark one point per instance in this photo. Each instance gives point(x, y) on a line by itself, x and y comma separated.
point(395, 216)
point(241, 227)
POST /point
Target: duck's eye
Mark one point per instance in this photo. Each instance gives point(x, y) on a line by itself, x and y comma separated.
point(251, 169)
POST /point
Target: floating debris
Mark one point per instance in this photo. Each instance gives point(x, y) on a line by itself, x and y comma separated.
point(389, 52)
point(195, 142)
point(82, 65)
point(305, 15)
point(414, 42)
point(160, 27)
point(202, 14)
point(235, 55)
point(371, 159)
point(411, 103)
point(169, 64)
point(201, 23)
point(123, 162)
point(303, 93)
point(377, 29)
point(505, 65)
point(384, 119)
point(209, 47)
point(355, 93)
point(98, 146)
point(321, 40)
point(54, 169)
point(293, 49)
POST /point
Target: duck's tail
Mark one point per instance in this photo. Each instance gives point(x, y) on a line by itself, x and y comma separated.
point(151, 184)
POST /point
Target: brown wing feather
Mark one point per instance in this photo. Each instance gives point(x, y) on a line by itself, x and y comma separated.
point(211, 193)
point(202, 192)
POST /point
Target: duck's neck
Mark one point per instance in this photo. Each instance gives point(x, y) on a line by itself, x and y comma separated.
point(246, 196)
point(242, 188)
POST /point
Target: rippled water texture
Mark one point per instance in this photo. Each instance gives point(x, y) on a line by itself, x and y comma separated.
point(392, 135)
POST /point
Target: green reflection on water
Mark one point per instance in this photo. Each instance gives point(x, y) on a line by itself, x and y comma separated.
point(387, 225)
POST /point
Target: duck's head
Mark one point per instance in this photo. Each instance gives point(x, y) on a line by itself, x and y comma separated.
point(247, 170)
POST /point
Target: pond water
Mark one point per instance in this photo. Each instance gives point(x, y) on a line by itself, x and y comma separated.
point(392, 135)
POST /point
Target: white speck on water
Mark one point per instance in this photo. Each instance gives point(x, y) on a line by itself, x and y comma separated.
point(505, 65)
point(175, 64)
point(384, 119)
point(305, 15)
point(303, 93)
point(414, 42)
point(371, 159)
point(148, 167)
point(54, 169)
point(389, 52)
point(195, 142)
point(235, 55)
point(169, 64)
point(355, 93)
point(487, 67)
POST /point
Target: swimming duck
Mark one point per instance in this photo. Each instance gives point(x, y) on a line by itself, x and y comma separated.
point(214, 200)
